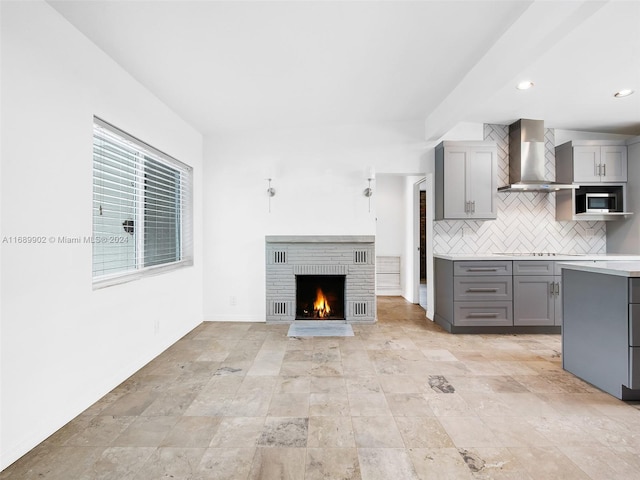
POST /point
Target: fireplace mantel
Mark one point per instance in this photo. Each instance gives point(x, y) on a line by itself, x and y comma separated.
point(350, 255)
point(320, 238)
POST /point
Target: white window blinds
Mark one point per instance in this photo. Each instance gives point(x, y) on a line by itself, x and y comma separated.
point(142, 207)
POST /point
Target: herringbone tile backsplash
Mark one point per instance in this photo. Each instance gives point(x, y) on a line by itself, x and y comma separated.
point(526, 221)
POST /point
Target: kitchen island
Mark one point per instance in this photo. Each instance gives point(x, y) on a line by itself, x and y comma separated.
point(601, 325)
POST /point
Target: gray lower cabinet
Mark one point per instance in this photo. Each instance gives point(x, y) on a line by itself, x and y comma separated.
point(473, 293)
point(502, 293)
point(536, 293)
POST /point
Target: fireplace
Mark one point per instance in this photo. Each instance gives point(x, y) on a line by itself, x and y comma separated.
point(320, 297)
point(341, 266)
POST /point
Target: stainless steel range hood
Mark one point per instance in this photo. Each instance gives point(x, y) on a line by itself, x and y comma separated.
point(527, 159)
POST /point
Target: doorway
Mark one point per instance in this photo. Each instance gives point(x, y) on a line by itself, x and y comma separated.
point(420, 242)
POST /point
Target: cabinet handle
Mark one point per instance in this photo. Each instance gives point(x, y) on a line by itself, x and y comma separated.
point(473, 207)
point(604, 170)
point(481, 269)
point(596, 170)
point(557, 289)
point(466, 207)
point(552, 289)
point(482, 290)
point(483, 315)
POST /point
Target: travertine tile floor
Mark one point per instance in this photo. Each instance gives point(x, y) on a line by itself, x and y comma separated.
point(400, 400)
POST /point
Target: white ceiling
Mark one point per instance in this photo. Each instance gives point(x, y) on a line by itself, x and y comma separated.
point(228, 66)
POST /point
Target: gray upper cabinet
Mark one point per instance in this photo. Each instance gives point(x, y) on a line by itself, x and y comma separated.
point(591, 162)
point(466, 180)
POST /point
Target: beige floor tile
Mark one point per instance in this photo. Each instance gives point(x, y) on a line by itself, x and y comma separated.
point(99, 431)
point(328, 404)
point(294, 384)
point(439, 464)
point(368, 404)
point(423, 432)
point(171, 462)
point(191, 432)
point(363, 384)
point(494, 463)
point(376, 432)
point(117, 463)
point(599, 462)
point(509, 405)
point(449, 405)
point(332, 463)
point(225, 464)
point(267, 362)
point(278, 463)
point(146, 432)
point(547, 462)
point(328, 384)
point(385, 464)
point(289, 405)
point(409, 404)
point(331, 432)
point(438, 355)
point(284, 432)
point(238, 432)
point(467, 432)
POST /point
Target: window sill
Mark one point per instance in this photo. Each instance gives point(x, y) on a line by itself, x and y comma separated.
point(120, 278)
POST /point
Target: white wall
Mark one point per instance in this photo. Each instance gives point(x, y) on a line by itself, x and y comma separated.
point(319, 175)
point(563, 136)
point(390, 205)
point(64, 345)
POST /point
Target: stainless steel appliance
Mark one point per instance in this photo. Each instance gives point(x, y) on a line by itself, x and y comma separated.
point(527, 169)
point(600, 202)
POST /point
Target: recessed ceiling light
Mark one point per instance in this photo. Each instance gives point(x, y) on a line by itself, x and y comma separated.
point(623, 93)
point(526, 85)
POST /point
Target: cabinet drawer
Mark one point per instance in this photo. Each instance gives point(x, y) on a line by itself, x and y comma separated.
point(634, 290)
point(483, 314)
point(482, 268)
point(634, 325)
point(634, 368)
point(533, 267)
point(496, 288)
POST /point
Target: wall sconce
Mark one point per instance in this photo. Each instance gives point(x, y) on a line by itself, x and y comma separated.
point(271, 192)
point(368, 192)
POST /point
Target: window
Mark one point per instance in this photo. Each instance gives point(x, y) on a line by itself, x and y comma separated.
point(142, 203)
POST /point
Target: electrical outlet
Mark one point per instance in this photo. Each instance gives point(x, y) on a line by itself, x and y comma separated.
point(466, 231)
point(156, 327)
point(590, 232)
point(233, 300)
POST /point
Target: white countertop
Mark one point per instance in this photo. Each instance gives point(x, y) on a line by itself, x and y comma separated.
point(619, 268)
point(558, 257)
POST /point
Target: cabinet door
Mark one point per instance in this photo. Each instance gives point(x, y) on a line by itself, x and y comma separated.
point(481, 181)
point(586, 164)
point(533, 300)
point(614, 163)
point(455, 199)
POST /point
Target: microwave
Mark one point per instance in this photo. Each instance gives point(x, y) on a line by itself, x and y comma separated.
point(601, 202)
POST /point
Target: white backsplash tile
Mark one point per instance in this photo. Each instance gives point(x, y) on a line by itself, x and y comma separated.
point(526, 221)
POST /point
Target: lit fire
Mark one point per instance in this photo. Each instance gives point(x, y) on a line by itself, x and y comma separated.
point(321, 306)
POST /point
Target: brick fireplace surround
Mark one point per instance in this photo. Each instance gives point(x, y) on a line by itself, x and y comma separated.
point(349, 255)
